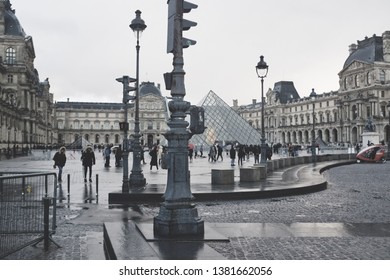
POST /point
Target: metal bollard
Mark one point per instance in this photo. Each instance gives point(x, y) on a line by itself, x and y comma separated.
point(97, 187)
point(68, 187)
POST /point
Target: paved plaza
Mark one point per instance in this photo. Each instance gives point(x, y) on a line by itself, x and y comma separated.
point(349, 220)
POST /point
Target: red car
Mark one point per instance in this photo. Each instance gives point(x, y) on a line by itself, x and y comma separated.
point(375, 153)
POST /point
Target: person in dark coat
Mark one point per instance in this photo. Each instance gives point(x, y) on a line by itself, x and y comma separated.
point(269, 152)
point(118, 156)
point(88, 159)
point(106, 154)
point(153, 155)
point(256, 153)
point(59, 161)
point(219, 152)
point(241, 154)
point(232, 155)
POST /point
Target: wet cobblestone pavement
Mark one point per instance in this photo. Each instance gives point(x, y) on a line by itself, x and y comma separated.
point(356, 194)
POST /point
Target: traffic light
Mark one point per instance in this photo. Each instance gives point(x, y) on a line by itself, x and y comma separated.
point(176, 25)
point(124, 126)
point(197, 120)
point(126, 80)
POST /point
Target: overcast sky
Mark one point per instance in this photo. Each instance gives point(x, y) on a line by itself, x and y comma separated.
point(83, 45)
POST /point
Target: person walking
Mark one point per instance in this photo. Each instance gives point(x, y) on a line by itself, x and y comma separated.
point(59, 161)
point(106, 155)
point(118, 156)
point(190, 152)
point(219, 151)
point(88, 159)
point(142, 155)
point(232, 155)
point(212, 154)
point(269, 152)
point(153, 155)
point(241, 154)
point(256, 153)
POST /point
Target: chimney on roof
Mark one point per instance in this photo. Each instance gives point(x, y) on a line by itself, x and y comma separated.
point(386, 46)
point(254, 102)
point(352, 48)
point(235, 103)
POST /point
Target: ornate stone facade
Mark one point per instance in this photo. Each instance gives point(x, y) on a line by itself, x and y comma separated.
point(340, 116)
point(98, 123)
point(26, 104)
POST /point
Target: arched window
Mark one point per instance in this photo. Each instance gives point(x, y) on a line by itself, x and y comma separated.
point(357, 80)
point(10, 56)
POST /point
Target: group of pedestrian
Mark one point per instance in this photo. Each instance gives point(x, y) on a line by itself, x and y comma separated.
point(242, 152)
point(87, 158)
point(215, 153)
point(238, 151)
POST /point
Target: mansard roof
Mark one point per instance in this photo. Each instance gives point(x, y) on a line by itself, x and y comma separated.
point(149, 88)
point(285, 92)
point(369, 50)
point(12, 25)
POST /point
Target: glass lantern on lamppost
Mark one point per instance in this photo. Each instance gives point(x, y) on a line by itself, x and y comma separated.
point(137, 178)
point(313, 96)
point(262, 71)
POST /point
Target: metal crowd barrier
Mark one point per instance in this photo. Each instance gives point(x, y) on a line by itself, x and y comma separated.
point(27, 210)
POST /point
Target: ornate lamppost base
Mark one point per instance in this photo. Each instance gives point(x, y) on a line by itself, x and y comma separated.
point(137, 181)
point(178, 222)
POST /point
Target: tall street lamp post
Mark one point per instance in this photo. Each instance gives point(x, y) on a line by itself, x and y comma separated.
point(178, 215)
point(137, 178)
point(262, 71)
point(313, 138)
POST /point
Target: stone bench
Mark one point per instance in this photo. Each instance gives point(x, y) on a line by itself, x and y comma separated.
point(222, 176)
point(262, 169)
point(249, 174)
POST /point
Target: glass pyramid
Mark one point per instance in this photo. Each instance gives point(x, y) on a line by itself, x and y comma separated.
point(224, 125)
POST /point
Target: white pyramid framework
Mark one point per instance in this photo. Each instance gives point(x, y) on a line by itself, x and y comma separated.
point(224, 125)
